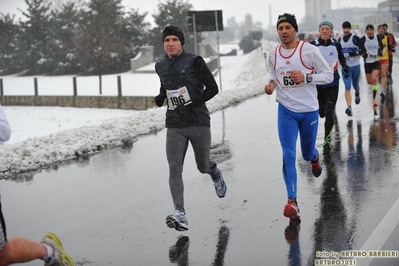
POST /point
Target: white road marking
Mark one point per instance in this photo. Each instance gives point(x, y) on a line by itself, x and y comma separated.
point(382, 232)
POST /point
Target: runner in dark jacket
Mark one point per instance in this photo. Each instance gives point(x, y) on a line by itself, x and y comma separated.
point(186, 84)
point(327, 94)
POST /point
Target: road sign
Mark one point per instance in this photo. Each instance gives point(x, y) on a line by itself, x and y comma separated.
point(205, 21)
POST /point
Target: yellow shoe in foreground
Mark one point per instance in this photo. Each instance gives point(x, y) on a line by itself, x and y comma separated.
point(60, 257)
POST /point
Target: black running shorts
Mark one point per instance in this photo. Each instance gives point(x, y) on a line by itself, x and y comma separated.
point(369, 67)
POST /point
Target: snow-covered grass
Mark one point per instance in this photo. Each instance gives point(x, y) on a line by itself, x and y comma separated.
point(132, 85)
point(44, 136)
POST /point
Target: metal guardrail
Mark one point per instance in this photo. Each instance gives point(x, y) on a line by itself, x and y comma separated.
point(112, 102)
point(75, 88)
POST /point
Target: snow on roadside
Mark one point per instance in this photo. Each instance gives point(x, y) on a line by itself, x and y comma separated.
point(41, 152)
point(39, 121)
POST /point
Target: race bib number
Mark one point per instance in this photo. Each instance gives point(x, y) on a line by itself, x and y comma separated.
point(373, 56)
point(178, 97)
point(287, 83)
point(347, 57)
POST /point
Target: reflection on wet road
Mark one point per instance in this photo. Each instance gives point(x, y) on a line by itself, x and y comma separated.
point(179, 253)
point(291, 234)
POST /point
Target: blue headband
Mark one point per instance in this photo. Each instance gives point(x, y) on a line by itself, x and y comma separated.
point(326, 23)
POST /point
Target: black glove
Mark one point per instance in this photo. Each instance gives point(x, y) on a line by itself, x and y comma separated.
point(346, 71)
point(379, 53)
point(365, 55)
point(159, 99)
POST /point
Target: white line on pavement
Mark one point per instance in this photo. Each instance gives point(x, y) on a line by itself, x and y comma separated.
point(382, 232)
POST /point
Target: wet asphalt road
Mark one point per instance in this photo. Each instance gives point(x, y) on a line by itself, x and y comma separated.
point(111, 209)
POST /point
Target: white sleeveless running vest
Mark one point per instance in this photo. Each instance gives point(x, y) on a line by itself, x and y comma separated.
point(372, 49)
point(295, 97)
point(349, 47)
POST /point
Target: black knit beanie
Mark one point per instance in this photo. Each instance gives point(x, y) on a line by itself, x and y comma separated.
point(288, 18)
point(346, 25)
point(370, 26)
point(173, 30)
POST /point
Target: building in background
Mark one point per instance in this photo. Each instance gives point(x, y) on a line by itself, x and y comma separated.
point(317, 9)
point(388, 12)
point(358, 17)
point(384, 12)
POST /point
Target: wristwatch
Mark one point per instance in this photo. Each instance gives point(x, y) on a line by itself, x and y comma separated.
point(308, 78)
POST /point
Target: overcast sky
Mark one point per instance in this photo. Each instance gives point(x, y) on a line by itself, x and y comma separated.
point(259, 9)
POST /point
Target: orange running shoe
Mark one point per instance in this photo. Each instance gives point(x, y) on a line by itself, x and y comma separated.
point(291, 209)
